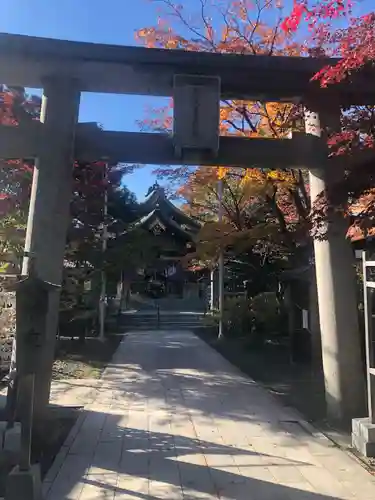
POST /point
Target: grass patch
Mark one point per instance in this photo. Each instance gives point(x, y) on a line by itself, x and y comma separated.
point(83, 360)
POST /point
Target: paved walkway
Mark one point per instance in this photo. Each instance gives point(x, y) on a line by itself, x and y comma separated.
point(173, 420)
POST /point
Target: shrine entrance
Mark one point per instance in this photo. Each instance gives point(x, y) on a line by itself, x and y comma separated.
point(197, 83)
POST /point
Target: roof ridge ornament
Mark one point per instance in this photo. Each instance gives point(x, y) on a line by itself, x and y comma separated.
point(155, 188)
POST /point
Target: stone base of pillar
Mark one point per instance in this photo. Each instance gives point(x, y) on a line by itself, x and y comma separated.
point(24, 484)
point(363, 436)
point(12, 439)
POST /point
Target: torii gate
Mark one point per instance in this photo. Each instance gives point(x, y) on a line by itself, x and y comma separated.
point(197, 81)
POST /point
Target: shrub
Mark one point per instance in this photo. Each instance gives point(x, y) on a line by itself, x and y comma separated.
point(237, 317)
point(254, 319)
point(269, 316)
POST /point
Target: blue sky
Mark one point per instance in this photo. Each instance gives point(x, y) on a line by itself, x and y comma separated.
point(109, 21)
point(102, 21)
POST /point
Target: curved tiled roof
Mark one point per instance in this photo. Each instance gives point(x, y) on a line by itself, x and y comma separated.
point(157, 201)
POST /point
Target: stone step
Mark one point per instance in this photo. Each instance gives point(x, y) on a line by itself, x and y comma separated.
point(166, 321)
point(162, 320)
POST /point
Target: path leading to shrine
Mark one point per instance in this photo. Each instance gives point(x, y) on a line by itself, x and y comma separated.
point(173, 420)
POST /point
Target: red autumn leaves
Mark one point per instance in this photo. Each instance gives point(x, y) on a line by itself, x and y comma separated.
point(354, 44)
point(325, 9)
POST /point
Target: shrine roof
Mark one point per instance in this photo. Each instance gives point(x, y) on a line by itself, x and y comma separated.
point(157, 199)
point(27, 61)
point(158, 216)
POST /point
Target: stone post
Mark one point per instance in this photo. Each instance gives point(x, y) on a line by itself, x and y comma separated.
point(32, 306)
point(49, 211)
point(336, 287)
point(214, 289)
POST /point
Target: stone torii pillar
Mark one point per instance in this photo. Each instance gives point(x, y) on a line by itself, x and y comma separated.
point(335, 276)
point(49, 210)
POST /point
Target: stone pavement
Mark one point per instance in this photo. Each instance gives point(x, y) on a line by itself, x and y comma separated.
point(173, 420)
point(68, 392)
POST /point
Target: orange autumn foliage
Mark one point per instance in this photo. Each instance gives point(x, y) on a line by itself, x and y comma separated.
point(232, 26)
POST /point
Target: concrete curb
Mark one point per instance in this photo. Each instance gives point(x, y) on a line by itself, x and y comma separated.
point(58, 462)
point(61, 455)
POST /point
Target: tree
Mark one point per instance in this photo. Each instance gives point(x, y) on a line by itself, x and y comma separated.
point(260, 227)
point(87, 208)
point(84, 250)
point(231, 27)
point(16, 106)
point(234, 27)
point(240, 27)
point(353, 42)
point(84, 257)
point(83, 242)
